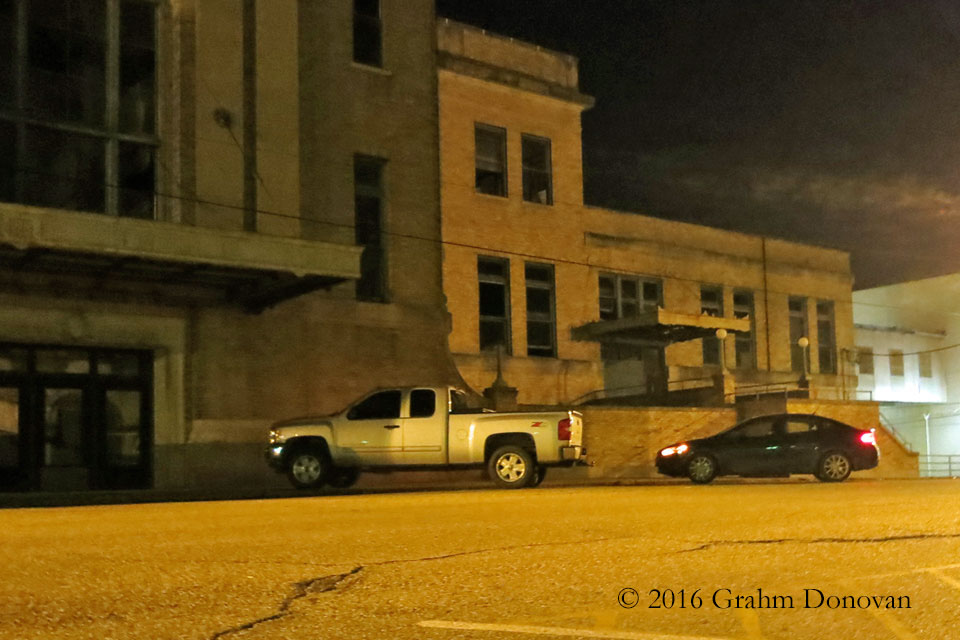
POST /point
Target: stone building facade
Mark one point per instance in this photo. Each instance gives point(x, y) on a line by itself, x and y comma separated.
point(221, 214)
point(586, 303)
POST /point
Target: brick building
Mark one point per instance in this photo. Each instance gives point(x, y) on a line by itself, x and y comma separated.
point(213, 214)
point(589, 303)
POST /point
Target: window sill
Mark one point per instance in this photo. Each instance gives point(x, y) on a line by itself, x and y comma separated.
point(380, 71)
point(534, 203)
point(503, 198)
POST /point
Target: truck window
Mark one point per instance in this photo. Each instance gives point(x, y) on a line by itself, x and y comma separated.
point(423, 403)
point(385, 404)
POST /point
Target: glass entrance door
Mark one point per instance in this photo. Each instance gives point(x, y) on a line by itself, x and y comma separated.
point(75, 418)
point(12, 441)
point(68, 451)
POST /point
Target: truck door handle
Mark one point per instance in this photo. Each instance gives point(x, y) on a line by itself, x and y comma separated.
point(391, 426)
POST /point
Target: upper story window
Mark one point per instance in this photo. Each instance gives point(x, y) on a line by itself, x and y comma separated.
point(368, 227)
point(541, 314)
point(896, 363)
point(865, 360)
point(746, 346)
point(826, 337)
point(491, 159)
point(367, 33)
point(626, 296)
point(926, 365)
point(77, 104)
point(537, 170)
point(494, 279)
point(798, 329)
point(711, 304)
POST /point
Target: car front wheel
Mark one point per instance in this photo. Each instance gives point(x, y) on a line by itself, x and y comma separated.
point(833, 467)
point(511, 467)
point(701, 469)
point(308, 469)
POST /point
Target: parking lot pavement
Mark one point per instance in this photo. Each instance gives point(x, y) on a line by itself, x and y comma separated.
point(859, 560)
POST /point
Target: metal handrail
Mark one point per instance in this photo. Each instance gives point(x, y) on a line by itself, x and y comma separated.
point(939, 465)
point(892, 430)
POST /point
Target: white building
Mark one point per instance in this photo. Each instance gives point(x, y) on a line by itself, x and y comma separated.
point(907, 339)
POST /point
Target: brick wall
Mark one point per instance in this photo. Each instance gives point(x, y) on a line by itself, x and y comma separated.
point(622, 443)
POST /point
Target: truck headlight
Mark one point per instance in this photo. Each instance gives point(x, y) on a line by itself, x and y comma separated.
point(275, 437)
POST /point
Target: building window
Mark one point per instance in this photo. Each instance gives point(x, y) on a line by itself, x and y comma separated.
point(541, 314)
point(745, 342)
point(711, 304)
point(798, 329)
point(626, 296)
point(368, 209)
point(537, 170)
point(826, 337)
point(494, 277)
point(367, 33)
point(865, 360)
point(926, 365)
point(77, 105)
point(896, 363)
point(491, 159)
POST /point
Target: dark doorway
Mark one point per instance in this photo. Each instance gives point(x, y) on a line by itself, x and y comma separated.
point(73, 419)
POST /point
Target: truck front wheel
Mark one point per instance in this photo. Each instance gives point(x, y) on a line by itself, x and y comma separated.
point(511, 467)
point(308, 468)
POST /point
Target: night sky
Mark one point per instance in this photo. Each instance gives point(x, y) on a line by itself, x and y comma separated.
point(834, 123)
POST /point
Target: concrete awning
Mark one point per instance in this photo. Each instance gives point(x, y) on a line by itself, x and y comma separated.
point(659, 326)
point(96, 254)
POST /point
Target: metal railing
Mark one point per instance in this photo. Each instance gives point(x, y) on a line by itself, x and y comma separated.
point(892, 430)
point(940, 466)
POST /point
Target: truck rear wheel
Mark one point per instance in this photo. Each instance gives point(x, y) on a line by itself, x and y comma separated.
point(308, 468)
point(511, 467)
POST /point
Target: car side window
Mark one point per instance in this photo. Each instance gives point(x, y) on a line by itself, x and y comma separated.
point(423, 403)
point(800, 425)
point(755, 429)
point(383, 404)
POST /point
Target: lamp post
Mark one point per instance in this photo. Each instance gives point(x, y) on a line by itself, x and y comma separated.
point(721, 336)
point(804, 344)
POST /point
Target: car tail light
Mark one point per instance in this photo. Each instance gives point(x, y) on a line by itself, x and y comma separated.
point(868, 437)
point(563, 429)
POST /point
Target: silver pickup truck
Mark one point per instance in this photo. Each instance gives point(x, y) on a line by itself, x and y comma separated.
point(424, 428)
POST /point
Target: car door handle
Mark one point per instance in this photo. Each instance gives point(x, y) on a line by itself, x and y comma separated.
point(391, 426)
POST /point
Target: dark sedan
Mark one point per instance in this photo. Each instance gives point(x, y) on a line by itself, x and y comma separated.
point(774, 446)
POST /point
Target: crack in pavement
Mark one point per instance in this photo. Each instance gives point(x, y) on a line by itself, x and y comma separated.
point(915, 536)
point(325, 584)
point(322, 584)
point(472, 552)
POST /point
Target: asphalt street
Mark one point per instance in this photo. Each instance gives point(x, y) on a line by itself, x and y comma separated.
point(864, 559)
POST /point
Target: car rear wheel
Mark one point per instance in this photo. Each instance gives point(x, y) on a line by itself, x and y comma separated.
point(511, 467)
point(308, 468)
point(834, 467)
point(701, 469)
